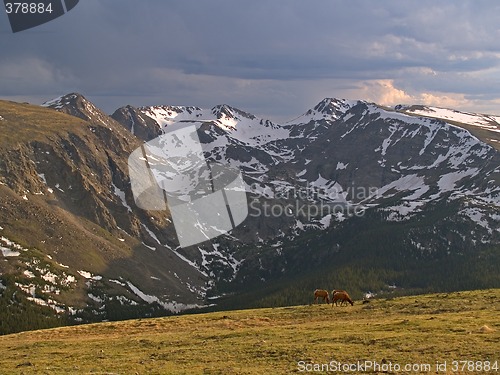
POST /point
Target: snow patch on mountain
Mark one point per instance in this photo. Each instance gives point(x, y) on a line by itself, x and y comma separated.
point(168, 115)
point(172, 306)
point(448, 182)
point(10, 248)
point(59, 102)
point(488, 122)
point(121, 195)
point(411, 182)
point(404, 211)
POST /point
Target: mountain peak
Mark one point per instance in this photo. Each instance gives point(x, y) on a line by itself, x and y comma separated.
point(76, 104)
point(226, 111)
point(64, 100)
point(332, 106)
point(327, 109)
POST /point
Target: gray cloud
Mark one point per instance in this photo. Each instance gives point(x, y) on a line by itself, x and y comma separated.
point(275, 58)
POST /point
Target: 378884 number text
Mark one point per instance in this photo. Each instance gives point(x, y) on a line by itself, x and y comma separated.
point(473, 366)
point(28, 8)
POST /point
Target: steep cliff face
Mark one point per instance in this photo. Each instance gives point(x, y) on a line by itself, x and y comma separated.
point(137, 123)
point(74, 164)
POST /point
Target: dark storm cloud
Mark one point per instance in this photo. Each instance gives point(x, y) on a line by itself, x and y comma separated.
point(271, 57)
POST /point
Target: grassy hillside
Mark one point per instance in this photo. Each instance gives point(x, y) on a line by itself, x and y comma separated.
point(42, 122)
point(418, 330)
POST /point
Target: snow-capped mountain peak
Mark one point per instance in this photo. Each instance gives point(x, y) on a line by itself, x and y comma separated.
point(329, 109)
point(166, 115)
point(77, 105)
point(58, 102)
point(75, 101)
point(225, 111)
point(333, 106)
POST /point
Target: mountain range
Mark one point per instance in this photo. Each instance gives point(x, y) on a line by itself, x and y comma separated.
point(348, 195)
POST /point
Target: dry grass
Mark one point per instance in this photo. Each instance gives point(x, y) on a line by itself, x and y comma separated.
point(417, 329)
point(26, 122)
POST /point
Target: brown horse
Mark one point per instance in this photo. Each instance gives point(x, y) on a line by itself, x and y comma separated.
point(333, 293)
point(321, 293)
point(341, 296)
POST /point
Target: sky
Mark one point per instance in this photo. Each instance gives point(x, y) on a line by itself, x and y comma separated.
point(272, 58)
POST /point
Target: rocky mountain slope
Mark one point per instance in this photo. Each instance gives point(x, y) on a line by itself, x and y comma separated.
point(68, 235)
point(347, 185)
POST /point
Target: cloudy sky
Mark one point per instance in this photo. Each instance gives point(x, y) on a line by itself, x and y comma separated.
point(273, 58)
